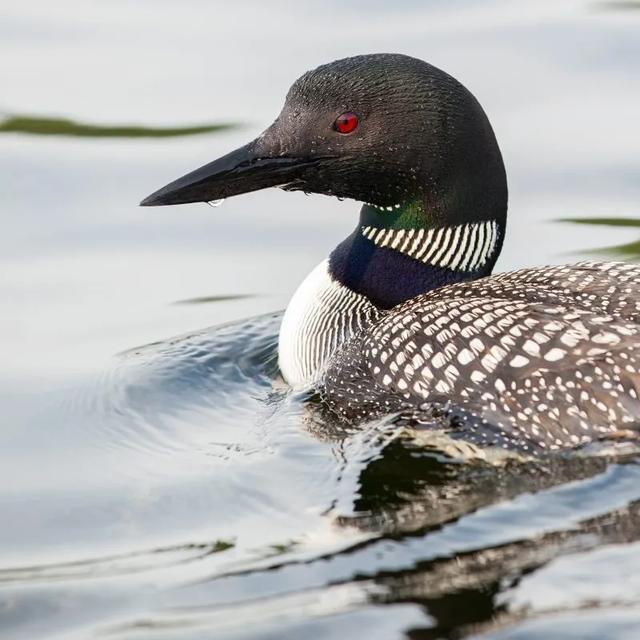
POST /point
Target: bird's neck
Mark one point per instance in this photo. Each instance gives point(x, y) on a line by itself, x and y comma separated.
point(398, 252)
point(392, 256)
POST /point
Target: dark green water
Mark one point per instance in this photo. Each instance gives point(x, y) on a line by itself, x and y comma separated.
point(180, 490)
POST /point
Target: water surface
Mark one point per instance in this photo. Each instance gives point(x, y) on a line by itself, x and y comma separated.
point(158, 480)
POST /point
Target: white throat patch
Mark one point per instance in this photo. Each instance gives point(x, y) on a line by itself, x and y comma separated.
point(321, 315)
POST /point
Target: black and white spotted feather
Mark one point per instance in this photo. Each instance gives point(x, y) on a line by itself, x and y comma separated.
point(536, 359)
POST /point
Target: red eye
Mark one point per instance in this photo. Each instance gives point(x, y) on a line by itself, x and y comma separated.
point(346, 123)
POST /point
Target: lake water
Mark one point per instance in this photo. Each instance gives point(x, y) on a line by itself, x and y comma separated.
point(178, 490)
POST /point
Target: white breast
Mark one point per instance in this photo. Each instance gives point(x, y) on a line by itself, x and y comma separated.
point(321, 315)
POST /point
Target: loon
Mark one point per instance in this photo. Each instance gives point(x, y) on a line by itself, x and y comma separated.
point(404, 315)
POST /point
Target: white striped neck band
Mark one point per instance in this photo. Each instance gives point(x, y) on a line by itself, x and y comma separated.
point(465, 247)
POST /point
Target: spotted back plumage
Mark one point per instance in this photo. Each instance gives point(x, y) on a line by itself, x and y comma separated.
point(533, 359)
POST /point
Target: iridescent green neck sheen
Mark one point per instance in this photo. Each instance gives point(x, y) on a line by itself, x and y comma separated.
point(408, 215)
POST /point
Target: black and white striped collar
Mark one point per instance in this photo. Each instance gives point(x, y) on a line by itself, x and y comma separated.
point(466, 247)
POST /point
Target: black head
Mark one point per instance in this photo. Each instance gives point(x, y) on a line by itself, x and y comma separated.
point(384, 129)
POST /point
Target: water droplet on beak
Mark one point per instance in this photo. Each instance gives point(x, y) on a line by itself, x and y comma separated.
point(215, 203)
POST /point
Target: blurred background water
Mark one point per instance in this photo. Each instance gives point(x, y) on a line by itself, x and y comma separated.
point(177, 490)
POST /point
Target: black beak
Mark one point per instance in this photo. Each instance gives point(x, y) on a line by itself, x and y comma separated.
point(241, 171)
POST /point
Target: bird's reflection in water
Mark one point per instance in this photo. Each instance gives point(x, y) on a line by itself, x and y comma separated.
point(410, 493)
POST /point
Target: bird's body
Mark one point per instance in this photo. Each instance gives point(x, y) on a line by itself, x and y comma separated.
point(537, 359)
point(404, 316)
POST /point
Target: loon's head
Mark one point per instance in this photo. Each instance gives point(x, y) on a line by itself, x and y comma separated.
point(385, 129)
